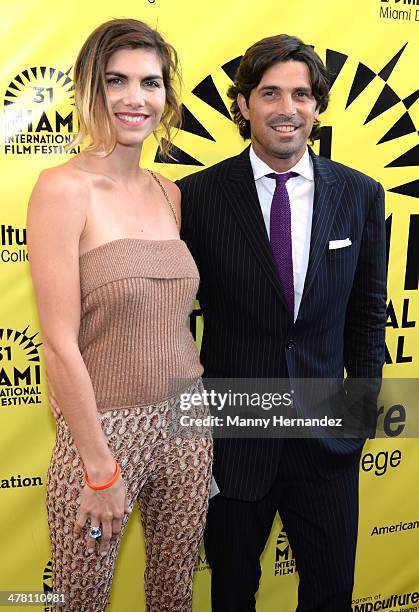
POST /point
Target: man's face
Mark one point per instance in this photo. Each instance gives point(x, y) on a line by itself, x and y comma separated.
point(281, 111)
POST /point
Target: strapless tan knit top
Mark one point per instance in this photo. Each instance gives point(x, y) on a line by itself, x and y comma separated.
point(136, 296)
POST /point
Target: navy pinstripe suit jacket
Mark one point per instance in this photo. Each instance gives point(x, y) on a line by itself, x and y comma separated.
point(248, 331)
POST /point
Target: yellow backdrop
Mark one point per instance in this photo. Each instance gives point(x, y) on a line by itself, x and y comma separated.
point(371, 124)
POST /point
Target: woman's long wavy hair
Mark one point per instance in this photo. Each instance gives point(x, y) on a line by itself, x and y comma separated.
point(97, 124)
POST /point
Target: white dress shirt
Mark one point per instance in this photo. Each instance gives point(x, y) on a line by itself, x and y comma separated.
point(301, 194)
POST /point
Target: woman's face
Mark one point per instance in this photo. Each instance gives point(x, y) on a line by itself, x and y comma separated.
point(136, 93)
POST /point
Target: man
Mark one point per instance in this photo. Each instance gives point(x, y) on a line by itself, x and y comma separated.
point(292, 286)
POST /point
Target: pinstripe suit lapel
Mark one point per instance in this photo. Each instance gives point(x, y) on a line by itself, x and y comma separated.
point(327, 194)
point(240, 191)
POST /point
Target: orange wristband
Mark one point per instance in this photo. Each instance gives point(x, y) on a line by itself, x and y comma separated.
point(106, 485)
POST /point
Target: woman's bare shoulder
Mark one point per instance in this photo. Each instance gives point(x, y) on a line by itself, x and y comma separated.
point(61, 192)
point(65, 180)
point(60, 196)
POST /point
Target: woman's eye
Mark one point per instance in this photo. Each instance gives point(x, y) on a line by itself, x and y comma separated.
point(114, 81)
point(152, 84)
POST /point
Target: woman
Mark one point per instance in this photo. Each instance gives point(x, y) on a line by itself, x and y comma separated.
point(114, 286)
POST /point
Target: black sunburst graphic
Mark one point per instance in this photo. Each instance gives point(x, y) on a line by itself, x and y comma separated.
point(47, 578)
point(35, 99)
point(38, 74)
point(22, 339)
point(206, 91)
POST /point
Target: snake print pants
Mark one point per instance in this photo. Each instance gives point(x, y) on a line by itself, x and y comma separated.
point(168, 473)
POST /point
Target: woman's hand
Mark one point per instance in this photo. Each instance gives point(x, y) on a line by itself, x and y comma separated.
point(105, 509)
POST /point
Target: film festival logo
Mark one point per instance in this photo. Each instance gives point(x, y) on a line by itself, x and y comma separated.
point(384, 137)
point(399, 10)
point(38, 113)
point(20, 368)
point(284, 559)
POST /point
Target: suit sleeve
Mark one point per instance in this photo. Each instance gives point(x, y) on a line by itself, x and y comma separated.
point(364, 350)
point(188, 230)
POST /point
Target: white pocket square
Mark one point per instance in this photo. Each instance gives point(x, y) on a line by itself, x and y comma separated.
point(214, 488)
point(340, 244)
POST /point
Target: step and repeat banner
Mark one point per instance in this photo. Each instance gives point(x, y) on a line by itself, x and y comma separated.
point(371, 49)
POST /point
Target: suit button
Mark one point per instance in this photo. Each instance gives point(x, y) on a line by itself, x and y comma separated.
point(290, 344)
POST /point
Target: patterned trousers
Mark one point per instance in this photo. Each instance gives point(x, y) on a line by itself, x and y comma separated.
point(168, 474)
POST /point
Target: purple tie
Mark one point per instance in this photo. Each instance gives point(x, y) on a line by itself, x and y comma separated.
point(280, 235)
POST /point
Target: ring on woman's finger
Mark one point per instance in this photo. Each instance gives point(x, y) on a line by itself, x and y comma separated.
point(95, 533)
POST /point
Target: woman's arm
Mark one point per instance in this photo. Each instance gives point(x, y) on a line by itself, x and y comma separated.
point(56, 218)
